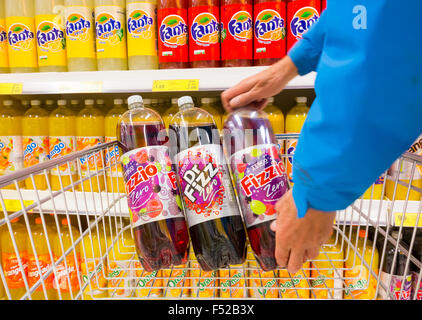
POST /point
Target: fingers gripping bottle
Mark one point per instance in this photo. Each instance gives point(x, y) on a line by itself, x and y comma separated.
point(4, 54)
point(259, 175)
point(158, 224)
point(212, 213)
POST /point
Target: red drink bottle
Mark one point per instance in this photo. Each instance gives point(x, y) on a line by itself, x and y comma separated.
point(157, 219)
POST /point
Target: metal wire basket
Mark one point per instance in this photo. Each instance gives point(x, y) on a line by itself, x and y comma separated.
point(73, 240)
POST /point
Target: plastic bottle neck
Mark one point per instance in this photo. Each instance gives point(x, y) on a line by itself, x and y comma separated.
point(186, 106)
point(136, 105)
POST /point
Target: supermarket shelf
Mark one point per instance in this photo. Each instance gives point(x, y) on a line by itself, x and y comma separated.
point(209, 79)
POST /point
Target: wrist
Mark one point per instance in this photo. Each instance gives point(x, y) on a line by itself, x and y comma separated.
point(286, 70)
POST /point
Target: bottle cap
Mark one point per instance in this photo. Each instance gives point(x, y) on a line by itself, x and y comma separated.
point(74, 102)
point(8, 103)
point(65, 222)
point(174, 100)
point(362, 233)
point(35, 102)
point(134, 99)
point(89, 102)
point(62, 102)
point(184, 100)
point(38, 221)
point(301, 99)
point(208, 100)
point(14, 220)
point(118, 101)
point(100, 101)
point(49, 102)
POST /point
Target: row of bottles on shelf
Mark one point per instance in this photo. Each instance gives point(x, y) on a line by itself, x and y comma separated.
point(88, 35)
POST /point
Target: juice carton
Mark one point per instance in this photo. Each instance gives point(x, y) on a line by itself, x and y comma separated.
point(4, 54)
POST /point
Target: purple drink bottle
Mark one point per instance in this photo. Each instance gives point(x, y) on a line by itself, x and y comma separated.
point(157, 219)
point(212, 213)
point(260, 177)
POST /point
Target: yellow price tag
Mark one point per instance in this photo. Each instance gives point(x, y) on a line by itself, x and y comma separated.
point(175, 85)
point(11, 88)
point(409, 219)
point(15, 205)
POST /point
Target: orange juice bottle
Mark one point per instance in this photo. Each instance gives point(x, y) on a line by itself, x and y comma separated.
point(170, 112)
point(62, 129)
point(233, 282)
point(35, 136)
point(112, 158)
point(203, 282)
point(262, 284)
point(176, 281)
point(276, 118)
point(294, 122)
point(89, 133)
point(49, 105)
point(10, 140)
point(375, 190)
point(13, 273)
point(295, 286)
point(67, 282)
point(50, 33)
point(20, 28)
point(44, 260)
point(210, 105)
point(75, 105)
point(360, 283)
point(4, 54)
point(148, 284)
point(100, 105)
point(3, 295)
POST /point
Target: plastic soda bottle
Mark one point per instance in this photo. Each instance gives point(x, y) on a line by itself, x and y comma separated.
point(89, 133)
point(269, 31)
point(203, 283)
point(20, 28)
point(359, 281)
point(61, 142)
point(260, 177)
point(44, 254)
point(157, 219)
point(110, 26)
point(147, 284)
point(4, 54)
point(114, 174)
point(204, 33)
point(10, 140)
point(236, 33)
point(212, 213)
point(301, 15)
point(172, 23)
point(170, 112)
point(51, 38)
point(80, 35)
point(35, 136)
point(67, 280)
point(210, 106)
point(15, 265)
point(142, 34)
point(294, 122)
point(276, 118)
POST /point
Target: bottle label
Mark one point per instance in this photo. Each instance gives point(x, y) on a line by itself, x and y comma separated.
point(141, 29)
point(269, 30)
point(324, 282)
point(290, 150)
point(151, 185)
point(177, 280)
point(261, 181)
point(51, 41)
point(12, 270)
point(34, 274)
point(415, 289)
point(280, 142)
point(397, 282)
point(205, 184)
point(173, 35)
point(405, 170)
point(64, 275)
point(236, 33)
point(119, 278)
point(80, 32)
point(293, 286)
point(92, 162)
point(112, 159)
point(110, 31)
point(233, 283)
point(147, 282)
point(10, 154)
point(204, 35)
point(4, 55)
point(263, 284)
point(35, 150)
point(203, 282)
point(94, 268)
point(22, 44)
point(359, 283)
point(59, 147)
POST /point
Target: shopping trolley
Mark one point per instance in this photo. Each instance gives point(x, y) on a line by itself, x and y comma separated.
point(91, 253)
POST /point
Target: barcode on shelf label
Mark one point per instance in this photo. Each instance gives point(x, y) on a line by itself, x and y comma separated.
point(15, 205)
point(175, 85)
point(409, 220)
point(11, 88)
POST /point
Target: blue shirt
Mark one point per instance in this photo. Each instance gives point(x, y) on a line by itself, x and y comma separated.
point(368, 106)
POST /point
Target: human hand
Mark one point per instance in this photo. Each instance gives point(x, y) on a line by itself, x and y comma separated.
point(256, 89)
point(299, 240)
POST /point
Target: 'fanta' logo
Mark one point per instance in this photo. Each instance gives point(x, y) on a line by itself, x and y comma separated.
point(77, 27)
point(269, 26)
point(291, 150)
point(139, 24)
point(3, 34)
point(108, 28)
point(50, 37)
point(205, 29)
point(303, 20)
point(20, 37)
point(173, 31)
point(240, 26)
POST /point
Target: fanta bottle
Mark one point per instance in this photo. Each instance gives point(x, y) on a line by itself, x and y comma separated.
point(114, 174)
point(210, 106)
point(4, 54)
point(211, 209)
point(147, 284)
point(89, 133)
point(142, 34)
point(157, 219)
point(170, 112)
point(172, 23)
point(204, 33)
point(236, 33)
point(80, 35)
point(35, 136)
point(15, 265)
point(20, 28)
point(61, 142)
point(276, 118)
point(67, 279)
point(44, 254)
point(269, 31)
point(301, 15)
point(51, 39)
point(110, 26)
point(294, 122)
point(253, 153)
